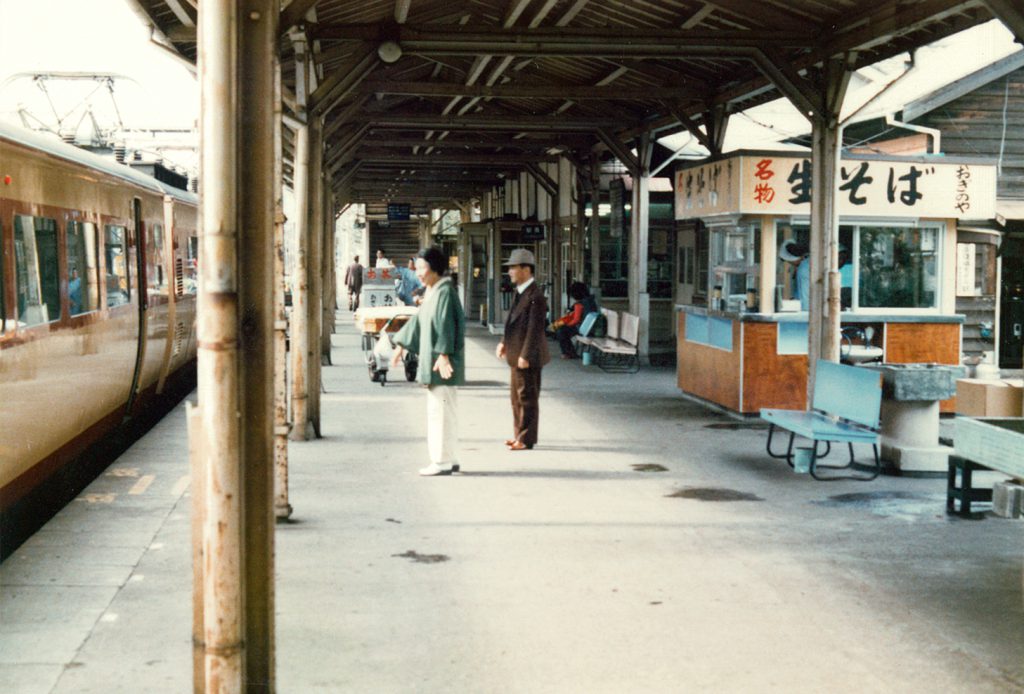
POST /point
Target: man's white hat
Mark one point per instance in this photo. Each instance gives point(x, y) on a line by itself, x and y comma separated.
point(786, 251)
point(521, 256)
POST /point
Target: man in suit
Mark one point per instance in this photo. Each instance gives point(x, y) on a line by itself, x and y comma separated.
point(354, 282)
point(524, 347)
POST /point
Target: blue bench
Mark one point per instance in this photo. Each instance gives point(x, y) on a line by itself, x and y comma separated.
point(845, 409)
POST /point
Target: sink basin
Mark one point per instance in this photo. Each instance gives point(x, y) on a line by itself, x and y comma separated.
point(918, 382)
point(858, 354)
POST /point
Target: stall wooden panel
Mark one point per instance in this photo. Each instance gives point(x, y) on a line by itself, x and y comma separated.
point(937, 343)
point(708, 372)
point(771, 379)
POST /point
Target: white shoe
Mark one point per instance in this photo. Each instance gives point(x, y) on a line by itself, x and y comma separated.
point(434, 469)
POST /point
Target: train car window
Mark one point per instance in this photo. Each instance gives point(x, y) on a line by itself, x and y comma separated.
point(158, 281)
point(37, 273)
point(83, 267)
point(192, 266)
point(119, 290)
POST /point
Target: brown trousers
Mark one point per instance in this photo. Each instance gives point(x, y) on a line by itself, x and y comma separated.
point(525, 390)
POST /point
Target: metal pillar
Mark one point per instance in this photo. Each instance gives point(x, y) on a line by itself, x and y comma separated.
point(315, 277)
point(827, 136)
point(595, 222)
point(233, 437)
point(301, 427)
point(282, 507)
point(639, 298)
point(330, 303)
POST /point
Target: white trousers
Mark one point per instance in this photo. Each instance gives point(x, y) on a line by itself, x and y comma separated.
point(442, 425)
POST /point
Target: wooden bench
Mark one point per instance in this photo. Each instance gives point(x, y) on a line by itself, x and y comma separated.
point(618, 350)
point(845, 409)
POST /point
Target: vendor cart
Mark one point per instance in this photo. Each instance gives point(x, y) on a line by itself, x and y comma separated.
point(378, 325)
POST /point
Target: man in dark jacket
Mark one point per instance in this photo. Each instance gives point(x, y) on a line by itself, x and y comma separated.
point(525, 349)
point(354, 282)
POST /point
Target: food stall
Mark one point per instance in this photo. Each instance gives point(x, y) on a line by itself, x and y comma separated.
point(742, 331)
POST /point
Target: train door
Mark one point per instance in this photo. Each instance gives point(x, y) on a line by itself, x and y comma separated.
point(137, 257)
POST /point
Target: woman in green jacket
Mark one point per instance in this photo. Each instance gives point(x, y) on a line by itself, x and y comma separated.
point(438, 335)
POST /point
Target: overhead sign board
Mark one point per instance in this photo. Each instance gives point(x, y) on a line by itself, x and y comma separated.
point(781, 185)
point(532, 232)
point(398, 211)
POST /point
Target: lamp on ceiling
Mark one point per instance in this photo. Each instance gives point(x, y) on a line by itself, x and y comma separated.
point(389, 51)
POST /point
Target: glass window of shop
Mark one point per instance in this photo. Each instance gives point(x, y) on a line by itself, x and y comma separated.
point(880, 267)
point(37, 272)
point(735, 255)
point(83, 267)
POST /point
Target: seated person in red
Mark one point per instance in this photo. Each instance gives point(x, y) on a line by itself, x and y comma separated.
point(569, 325)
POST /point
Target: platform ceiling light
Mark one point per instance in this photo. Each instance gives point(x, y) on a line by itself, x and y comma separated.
point(389, 51)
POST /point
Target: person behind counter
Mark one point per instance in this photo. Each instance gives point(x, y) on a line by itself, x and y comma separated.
point(438, 334)
point(796, 254)
point(566, 327)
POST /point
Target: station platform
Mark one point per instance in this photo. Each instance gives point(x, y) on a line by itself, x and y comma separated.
point(647, 544)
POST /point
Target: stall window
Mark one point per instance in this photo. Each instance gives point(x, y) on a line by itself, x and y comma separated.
point(191, 281)
point(119, 290)
point(880, 267)
point(83, 267)
point(898, 267)
point(37, 271)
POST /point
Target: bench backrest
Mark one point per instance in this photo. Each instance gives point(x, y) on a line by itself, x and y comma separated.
point(630, 328)
point(613, 322)
point(848, 392)
point(588, 323)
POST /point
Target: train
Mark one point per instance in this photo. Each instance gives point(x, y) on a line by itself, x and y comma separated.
point(98, 276)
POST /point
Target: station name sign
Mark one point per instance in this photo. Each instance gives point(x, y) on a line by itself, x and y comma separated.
point(532, 232)
point(781, 185)
point(398, 211)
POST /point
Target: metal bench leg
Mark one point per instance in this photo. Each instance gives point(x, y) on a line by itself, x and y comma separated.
point(788, 455)
point(860, 478)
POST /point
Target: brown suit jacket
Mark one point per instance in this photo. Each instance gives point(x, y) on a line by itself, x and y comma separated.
point(524, 329)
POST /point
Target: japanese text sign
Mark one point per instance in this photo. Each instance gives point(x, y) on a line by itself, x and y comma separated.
point(769, 184)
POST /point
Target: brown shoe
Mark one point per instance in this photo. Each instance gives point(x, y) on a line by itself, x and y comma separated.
point(509, 442)
point(519, 446)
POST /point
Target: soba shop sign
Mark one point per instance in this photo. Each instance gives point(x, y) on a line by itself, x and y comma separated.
point(781, 185)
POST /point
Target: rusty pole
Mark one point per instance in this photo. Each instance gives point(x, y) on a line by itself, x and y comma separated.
point(237, 45)
point(300, 291)
point(282, 507)
point(217, 322)
point(315, 270)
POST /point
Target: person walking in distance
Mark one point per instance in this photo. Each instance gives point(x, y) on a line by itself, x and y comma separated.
point(524, 347)
point(354, 282)
point(438, 335)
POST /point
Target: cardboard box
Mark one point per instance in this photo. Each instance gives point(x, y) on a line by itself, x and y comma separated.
point(989, 398)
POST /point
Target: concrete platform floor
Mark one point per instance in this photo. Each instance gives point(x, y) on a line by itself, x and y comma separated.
point(580, 566)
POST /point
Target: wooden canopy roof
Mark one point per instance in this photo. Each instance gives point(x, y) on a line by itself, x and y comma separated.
point(426, 101)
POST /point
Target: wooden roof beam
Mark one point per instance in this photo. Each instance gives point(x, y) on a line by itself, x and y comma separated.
point(1009, 12)
point(342, 81)
point(601, 92)
point(620, 151)
point(294, 14)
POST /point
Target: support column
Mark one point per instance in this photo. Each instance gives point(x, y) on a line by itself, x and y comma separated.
point(639, 298)
point(234, 434)
point(301, 428)
point(595, 223)
point(315, 277)
point(282, 507)
point(824, 329)
point(330, 293)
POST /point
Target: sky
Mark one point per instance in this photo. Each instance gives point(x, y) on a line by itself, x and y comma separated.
point(92, 36)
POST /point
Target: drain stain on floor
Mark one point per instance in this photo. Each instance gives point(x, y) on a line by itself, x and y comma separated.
point(649, 467)
point(891, 504)
point(713, 494)
point(734, 426)
point(422, 558)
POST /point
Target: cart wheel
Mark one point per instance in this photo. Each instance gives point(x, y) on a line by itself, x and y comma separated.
point(383, 378)
point(411, 365)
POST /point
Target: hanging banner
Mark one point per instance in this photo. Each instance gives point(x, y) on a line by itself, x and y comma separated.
point(780, 184)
